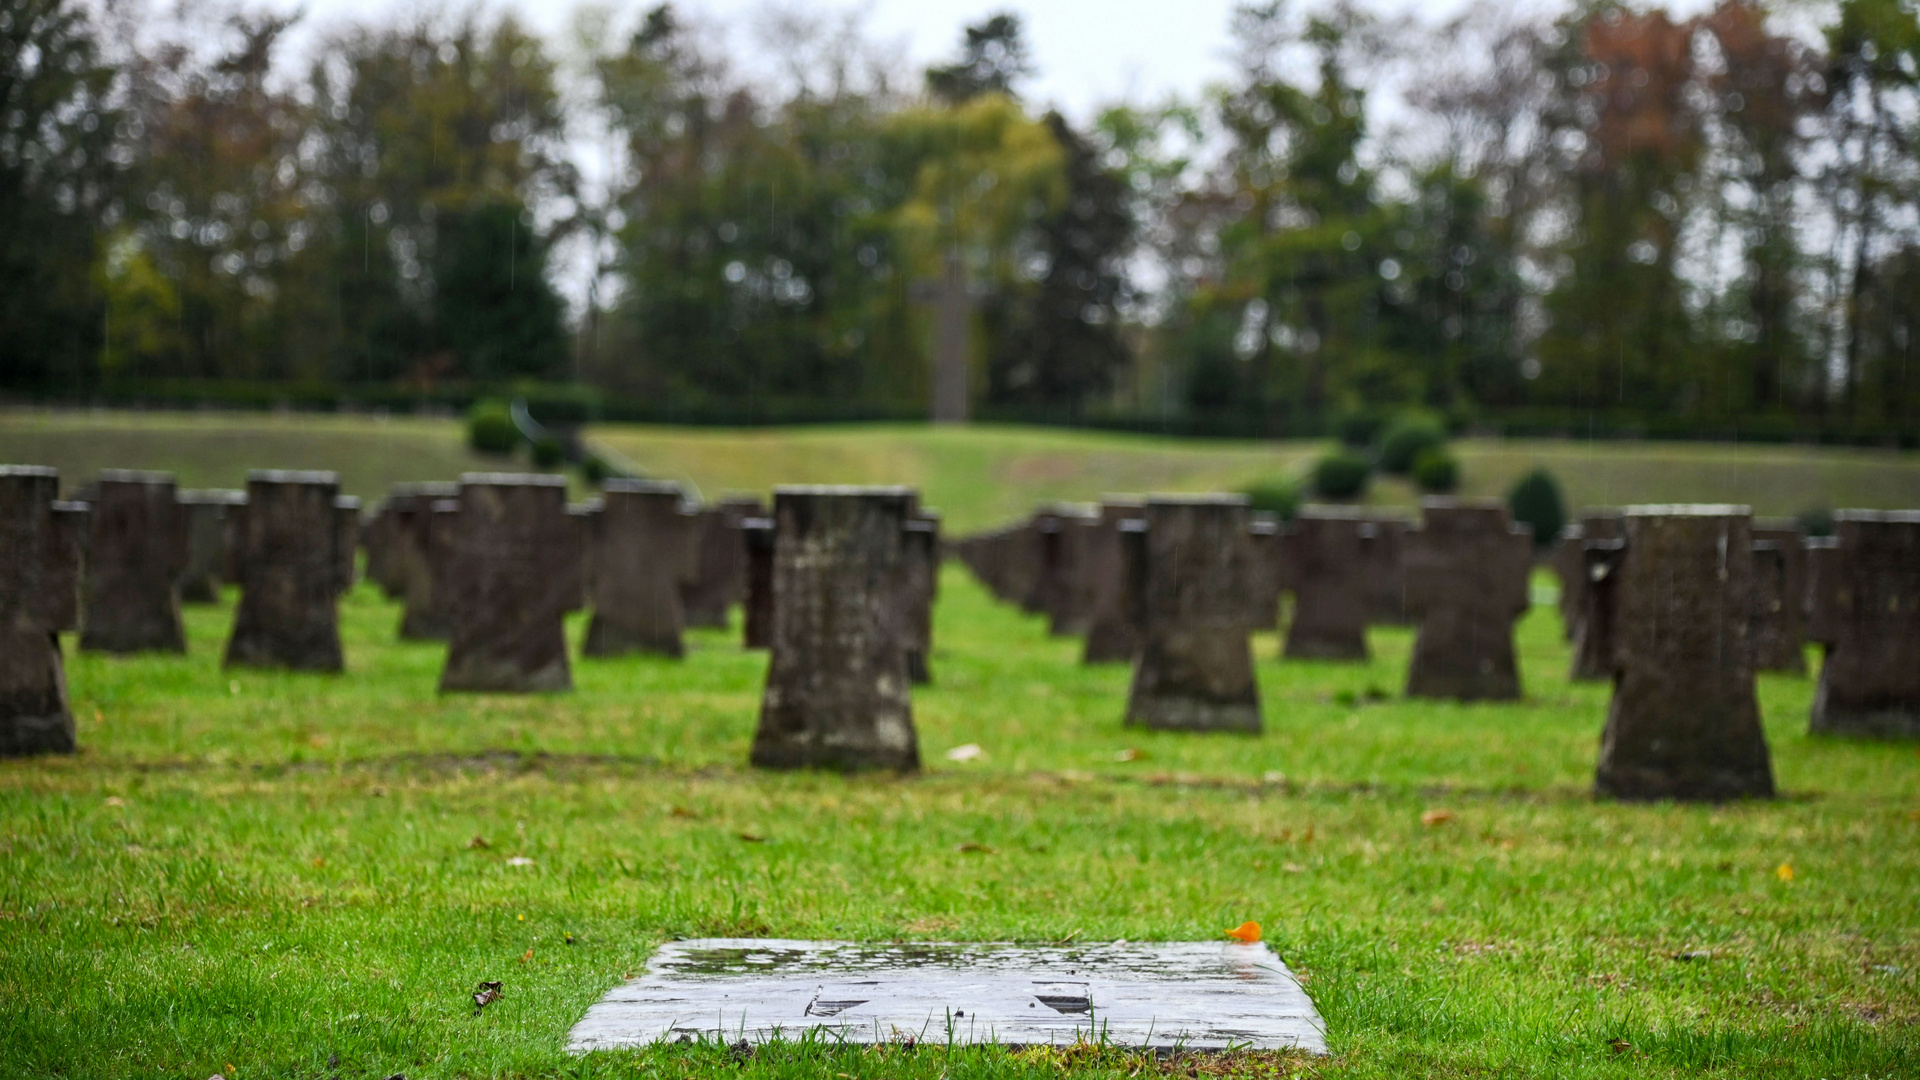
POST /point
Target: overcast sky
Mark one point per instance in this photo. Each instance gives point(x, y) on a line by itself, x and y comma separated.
point(1087, 52)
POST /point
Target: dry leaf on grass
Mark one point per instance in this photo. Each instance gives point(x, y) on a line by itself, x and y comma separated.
point(484, 995)
point(479, 843)
point(971, 848)
point(752, 838)
point(1129, 754)
point(1436, 817)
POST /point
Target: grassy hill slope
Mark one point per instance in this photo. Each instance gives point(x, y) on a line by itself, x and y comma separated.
point(978, 475)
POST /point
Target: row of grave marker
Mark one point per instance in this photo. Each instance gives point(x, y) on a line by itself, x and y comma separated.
point(1678, 605)
point(492, 565)
point(1175, 583)
point(1115, 572)
point(112, 565)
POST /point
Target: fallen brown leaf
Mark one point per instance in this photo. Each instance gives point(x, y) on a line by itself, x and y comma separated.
point(484, 995)
point(681, 811)
point(528, 955)
point(971, 848)
point(752, 838)
point(479, 843)
point(1436, 817)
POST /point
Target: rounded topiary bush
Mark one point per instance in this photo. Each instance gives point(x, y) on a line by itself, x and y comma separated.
point(1341, 475)
point(1817, 521)
point(1405, 438)
point(1276, 495)
point(1436, 471)
point(490, 429)
point(1535, 502)
point(548, 453)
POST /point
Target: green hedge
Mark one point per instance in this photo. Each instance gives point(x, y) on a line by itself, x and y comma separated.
point(1436, 471)
point(1342, 475)
point(1536, 502)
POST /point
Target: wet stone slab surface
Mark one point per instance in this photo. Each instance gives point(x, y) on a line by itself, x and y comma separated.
point(1166, 995)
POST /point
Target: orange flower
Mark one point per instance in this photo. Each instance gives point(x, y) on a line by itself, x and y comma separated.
point(1248, 932)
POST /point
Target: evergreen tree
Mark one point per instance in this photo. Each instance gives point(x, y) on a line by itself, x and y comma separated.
point(57, 188)
point(1059, 344)
point(993, 57)
point(492, 303)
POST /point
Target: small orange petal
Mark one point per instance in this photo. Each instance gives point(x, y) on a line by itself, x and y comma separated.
point(1248, 932)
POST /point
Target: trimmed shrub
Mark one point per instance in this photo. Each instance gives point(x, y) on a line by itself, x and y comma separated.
point(1403, 440)
point(1436, 471)
point(1817, 521)
point(594, 471)
point(1535, 502)
point(490, 429)
point(1341, 475)
point(1276, 495)
point(548, 453)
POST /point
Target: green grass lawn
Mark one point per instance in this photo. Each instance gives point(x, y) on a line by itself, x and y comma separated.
point(979, 476)
point(256, 873)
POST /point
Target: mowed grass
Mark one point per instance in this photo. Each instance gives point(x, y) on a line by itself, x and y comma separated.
point(216, 449)
point(978, 476)
point(264, 874)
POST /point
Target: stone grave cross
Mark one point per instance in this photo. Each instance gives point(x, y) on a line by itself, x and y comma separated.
point(1199, 599)
point(512, 571)
point(1466, 583)
point(40, 565)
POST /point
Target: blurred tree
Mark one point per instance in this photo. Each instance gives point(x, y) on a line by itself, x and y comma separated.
point(1873, 76)
point(433, 132)
point(975, 180)
point(1485, 198)
point(59, 168)
point(1455, 284)
point(1762, 95)
point(221, 213)
point(1631, 140)
point(1058, 344)
point(491, 300)
point(758, 257)
point(1305, 276)
point(993, 58)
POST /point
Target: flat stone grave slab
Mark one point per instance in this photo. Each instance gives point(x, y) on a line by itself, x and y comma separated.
point(1188, 995)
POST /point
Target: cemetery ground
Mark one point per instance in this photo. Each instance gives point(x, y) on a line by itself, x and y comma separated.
point(274, 874)
point(978, 476)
